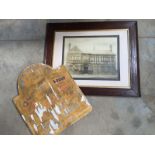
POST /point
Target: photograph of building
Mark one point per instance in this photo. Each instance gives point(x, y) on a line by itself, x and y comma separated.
point(98, 64)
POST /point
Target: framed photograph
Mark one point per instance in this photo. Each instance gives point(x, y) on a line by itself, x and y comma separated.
point(102, 57)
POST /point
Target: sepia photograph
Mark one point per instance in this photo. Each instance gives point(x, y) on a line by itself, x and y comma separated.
point(92, 57)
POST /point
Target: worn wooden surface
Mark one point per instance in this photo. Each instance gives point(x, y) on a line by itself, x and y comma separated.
point(49, 100)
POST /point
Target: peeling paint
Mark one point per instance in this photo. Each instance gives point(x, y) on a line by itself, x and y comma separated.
point(57, 109)
point(32, 117)
point(35, 127)
point(54, 115)
point(53, 125)
point(48, 98)
point(65, 110)
point(51, 130)
point(53, 90)
point(40, 111)
point(50, 111)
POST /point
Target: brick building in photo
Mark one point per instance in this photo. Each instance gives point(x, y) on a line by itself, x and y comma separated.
point(80, 62)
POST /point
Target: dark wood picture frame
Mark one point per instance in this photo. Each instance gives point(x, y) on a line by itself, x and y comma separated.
point(134, 90)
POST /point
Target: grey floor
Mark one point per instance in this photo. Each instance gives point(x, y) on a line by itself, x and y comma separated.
point(22, 43)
